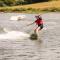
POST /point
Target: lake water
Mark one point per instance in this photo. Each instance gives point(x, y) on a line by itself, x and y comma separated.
point(47, 47)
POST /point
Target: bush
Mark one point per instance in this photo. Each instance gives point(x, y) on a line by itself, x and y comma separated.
point(19, 9)
point(2, 4)
point(18, 2)
point(52, 9)
point(29, 8)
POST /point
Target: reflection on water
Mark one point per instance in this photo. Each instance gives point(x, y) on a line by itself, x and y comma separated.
point(47, 47)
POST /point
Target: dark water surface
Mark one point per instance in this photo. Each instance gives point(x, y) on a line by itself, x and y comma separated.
point(47, 47)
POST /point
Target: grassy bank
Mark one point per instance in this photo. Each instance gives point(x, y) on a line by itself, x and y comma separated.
point(51, 6)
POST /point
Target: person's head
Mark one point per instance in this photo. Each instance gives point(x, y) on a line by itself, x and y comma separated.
point(38, 17)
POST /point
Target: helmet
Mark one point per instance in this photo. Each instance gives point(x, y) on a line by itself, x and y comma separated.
point(38, 16)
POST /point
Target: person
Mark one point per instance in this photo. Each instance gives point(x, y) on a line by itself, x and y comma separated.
point(39, 23)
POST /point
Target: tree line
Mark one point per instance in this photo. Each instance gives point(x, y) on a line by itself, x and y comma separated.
point(19, 2)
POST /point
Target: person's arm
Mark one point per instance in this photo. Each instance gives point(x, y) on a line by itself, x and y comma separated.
point(30, 24)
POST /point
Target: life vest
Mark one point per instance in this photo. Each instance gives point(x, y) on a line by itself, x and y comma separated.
point(39, 21)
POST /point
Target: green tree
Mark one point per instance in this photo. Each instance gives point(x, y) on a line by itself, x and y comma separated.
point(9, 2)
point(29, 1)
point(20, 2)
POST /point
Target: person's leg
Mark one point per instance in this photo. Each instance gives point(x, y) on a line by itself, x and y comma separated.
point(41, 27)
point(37, 30)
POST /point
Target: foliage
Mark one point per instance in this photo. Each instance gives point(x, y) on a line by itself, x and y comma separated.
point(7, 2)
point(19, 2)
point(29, 10)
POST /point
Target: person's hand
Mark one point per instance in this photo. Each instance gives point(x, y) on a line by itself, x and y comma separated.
point(28, 25)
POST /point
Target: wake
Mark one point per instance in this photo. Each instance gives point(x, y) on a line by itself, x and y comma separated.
point(13, 35)
point(18, 17)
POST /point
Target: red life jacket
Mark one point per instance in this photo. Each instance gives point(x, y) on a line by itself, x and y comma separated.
point(39, 21)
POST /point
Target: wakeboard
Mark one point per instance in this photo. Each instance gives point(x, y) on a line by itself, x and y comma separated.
point(33, 36)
